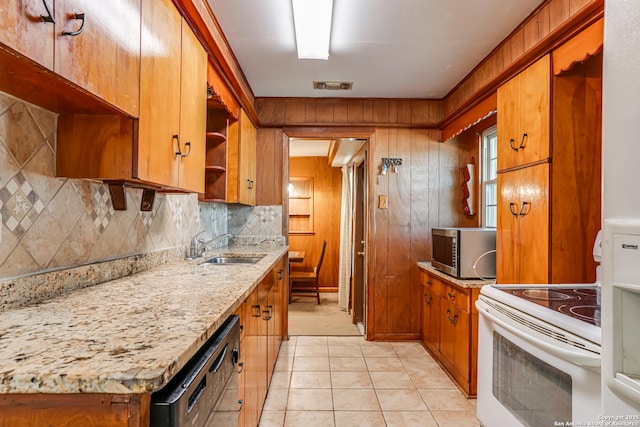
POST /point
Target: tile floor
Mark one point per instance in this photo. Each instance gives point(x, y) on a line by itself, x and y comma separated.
point(347, 381)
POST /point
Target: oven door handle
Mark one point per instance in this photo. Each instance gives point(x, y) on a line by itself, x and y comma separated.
point(568, 355)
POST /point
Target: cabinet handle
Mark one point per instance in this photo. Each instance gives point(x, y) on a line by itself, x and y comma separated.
point(511, 141)
point(280, 274)
point(524, 138)
point(429, 282)
point(186, 144)
point(256, 310)
point(79, 16)
point(525, 208)
point(428, 301)
point(241, 366)
point(452, 296)
point(511, 208)
point(177, 138)
point(266, 314)
point(48, 17)
point(453, 320)
point(250, 184)
point(241, 403)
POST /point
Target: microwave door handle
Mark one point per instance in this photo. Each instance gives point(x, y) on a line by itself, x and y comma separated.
point(569, 356)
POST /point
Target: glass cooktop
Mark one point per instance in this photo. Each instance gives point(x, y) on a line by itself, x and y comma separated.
point(580, 302)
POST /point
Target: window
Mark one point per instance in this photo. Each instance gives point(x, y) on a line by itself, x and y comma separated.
point(489, 177)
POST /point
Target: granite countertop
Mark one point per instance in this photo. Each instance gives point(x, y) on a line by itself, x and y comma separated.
point(463, 283)
point(129, 335)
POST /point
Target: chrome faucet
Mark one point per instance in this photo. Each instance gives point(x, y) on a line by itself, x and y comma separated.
point(199, 246)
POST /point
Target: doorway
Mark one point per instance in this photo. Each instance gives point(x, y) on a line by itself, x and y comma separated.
point(327, 201)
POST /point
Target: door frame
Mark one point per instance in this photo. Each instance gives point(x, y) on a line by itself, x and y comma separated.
point(333, 133)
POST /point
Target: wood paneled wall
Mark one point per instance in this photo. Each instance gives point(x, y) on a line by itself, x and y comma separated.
point(547, 26)
point(425, 193)
point(272, 154)
point(327, 200)
point(422, 113)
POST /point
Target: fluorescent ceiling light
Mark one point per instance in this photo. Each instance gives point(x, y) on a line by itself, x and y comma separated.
point(312, 20)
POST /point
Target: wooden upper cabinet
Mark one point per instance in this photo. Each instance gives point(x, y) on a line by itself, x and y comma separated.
point(241, 161)
point(159, 93)
point(97, 46)
point(549, 193)
point(23, 29)
point(524, 116)
point(165, 147)
point(193, 111)
point(173, 106)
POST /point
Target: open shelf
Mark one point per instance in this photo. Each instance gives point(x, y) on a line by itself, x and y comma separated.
point(216, 155)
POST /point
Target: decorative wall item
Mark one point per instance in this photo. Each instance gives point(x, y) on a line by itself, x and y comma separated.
point(389, 164)
point(468, 188)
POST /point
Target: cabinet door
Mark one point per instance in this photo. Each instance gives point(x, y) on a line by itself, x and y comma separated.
point(242, 361)
point(507, 236)
point(263, 340)
point(534, 224)
point(248, 136)
point(159, 93)
point(241, 161)
point(535, 101)
point(252, 366)
point(508, 123)
point(430, 319)
point(104, 57)
point(524, 116)
point(522, 234)
point(193, 112)
point(23, 29)
point(455, 336)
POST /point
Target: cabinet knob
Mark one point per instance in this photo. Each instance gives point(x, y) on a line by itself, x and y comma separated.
point(452, 295)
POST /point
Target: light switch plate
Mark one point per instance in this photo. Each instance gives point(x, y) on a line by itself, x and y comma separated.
point(382, 201)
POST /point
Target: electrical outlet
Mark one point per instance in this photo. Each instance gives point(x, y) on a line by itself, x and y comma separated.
point(382, 201)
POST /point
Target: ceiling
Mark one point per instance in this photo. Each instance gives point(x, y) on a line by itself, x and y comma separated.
point(388, 49)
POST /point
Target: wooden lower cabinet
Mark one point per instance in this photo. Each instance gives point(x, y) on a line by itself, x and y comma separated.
point(261, 321)
point(450, 328)
point(261, 344)
point(87, 410)
point(430, 332)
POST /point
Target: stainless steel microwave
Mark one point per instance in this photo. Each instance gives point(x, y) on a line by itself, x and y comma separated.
point(464, 253)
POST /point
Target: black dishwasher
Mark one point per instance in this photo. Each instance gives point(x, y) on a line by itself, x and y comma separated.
point(205, 392)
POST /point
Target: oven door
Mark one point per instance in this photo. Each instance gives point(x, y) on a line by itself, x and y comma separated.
point(531, 373)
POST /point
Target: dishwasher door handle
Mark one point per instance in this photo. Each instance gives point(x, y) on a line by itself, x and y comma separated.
point(218, 362)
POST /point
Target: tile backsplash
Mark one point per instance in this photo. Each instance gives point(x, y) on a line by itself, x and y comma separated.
point(51, 224)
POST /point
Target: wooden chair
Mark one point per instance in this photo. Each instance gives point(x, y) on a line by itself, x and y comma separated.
point(308, 280)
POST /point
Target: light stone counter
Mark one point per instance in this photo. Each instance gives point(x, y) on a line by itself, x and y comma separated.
point(129, 335)
point(463, 283)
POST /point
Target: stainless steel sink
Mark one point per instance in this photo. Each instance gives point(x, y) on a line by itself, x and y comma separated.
point(232, 259)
